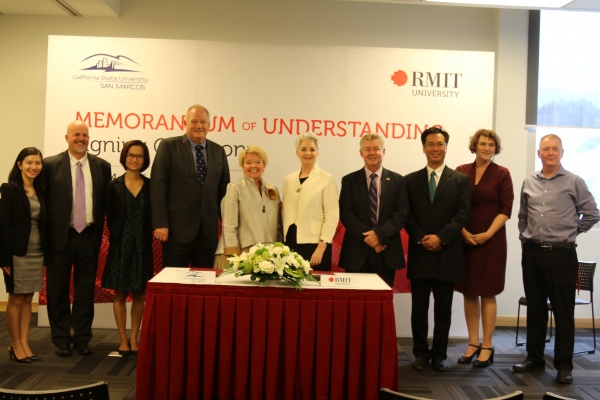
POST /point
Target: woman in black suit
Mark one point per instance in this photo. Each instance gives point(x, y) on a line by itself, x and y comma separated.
point(129, 264)
point(22, 218)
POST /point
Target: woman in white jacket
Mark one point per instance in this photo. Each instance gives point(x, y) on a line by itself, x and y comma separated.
point(250, 210)
point(310, 206)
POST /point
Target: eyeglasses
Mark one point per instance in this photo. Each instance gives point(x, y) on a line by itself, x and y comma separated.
point(138, 157)
point(439, 145)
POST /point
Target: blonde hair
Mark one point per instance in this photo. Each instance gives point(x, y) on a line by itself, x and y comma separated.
point(372, 136)
point(253, 149)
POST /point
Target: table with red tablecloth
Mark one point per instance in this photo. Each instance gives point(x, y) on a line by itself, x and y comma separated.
point(236, 339)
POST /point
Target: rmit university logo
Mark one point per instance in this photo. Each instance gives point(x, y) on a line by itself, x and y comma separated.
point(108, 63)
point(429, 84)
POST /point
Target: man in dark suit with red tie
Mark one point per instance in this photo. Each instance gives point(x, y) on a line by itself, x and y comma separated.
point(189, 178)
point(439, 208)
point(75, 183)
point(373, 209)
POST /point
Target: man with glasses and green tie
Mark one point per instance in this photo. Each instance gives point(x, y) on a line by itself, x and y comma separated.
point(439, 200)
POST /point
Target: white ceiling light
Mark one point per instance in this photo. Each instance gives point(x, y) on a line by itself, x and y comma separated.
point(510, 3)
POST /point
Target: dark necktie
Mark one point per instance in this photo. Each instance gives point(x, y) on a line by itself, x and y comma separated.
point(200, 164)
point(79, 215)
point(432, 186)
point(373, 200)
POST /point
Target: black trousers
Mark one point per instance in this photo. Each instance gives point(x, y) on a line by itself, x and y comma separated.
point(198, 253)
point(550, 275)
point(443, 293)
point(376, 264)
point(307, 249)
point(80, 257)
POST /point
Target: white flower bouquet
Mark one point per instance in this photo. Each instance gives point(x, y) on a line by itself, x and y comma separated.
point(264, 262)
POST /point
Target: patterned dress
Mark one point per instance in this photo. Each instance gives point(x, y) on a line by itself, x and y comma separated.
point(129, 262)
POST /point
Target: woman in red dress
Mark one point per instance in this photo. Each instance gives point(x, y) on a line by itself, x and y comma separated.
point(485, 244)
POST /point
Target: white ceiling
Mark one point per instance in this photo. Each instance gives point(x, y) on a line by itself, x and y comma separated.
point(111, 8)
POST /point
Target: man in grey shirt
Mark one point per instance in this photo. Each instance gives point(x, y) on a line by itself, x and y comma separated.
point(556, 206)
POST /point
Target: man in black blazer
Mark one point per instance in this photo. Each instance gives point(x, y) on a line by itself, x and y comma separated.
point(373, 245)
point(189, 178)
point(74, 244)
point(439, 209)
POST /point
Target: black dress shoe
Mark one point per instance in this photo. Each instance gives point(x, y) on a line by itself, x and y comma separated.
point(64, 350)
point(84, 350)
point(528, 366)
point(420, 363)
point(439, 365)
point(11, 353)
point(485, 363)
point(564, 376)
point(468, 359)
point(124, 353)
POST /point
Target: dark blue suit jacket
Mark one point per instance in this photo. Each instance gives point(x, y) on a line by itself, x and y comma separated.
point(354, 214)
point(179, 202)
point(445, 218)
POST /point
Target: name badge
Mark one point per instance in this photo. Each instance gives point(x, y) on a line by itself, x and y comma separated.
point(346, 281)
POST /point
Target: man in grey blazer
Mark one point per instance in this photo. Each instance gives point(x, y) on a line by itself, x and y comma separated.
point(189, 178)
point(439, 208)
point(75, 224)
point(373, 245)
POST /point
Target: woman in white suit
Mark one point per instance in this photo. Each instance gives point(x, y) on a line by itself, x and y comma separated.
point(310, 206)
point(250, 210)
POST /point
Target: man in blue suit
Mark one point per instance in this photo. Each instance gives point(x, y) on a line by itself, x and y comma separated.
point(439, 200)
point(372, 240)
point(189, 178)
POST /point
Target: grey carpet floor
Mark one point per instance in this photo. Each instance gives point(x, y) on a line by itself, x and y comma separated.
point(459, 382)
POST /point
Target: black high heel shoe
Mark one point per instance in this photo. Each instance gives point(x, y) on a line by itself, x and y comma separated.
point(34, 358)
point(485, 363)
point(467, 360)
point(134, 352)
point(125, 353)
point(11, 354)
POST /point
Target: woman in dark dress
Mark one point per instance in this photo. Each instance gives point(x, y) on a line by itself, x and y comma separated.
point(22, 218)
point(485, 244)
point(129, 263)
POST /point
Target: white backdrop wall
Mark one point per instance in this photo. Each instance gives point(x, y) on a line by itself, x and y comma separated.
point(23, 60)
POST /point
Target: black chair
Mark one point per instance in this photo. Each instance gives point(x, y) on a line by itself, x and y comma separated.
point(95, 391)
point(387, 394)
point(550, 396)
point(585, 283)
